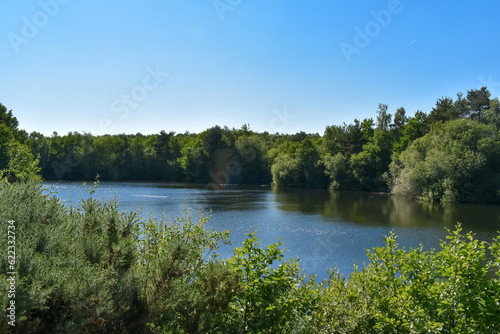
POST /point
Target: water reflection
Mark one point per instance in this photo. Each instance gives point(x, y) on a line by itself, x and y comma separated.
point(385, 210)
point(243, 200)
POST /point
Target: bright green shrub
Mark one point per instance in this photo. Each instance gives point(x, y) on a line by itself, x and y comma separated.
point(185, 285)
point(457, 161)
point(273, 299)
point(448, 291)
point(93, 269)
point(73, 265)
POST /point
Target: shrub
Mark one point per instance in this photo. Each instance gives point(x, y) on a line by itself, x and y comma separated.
point(93, 269)
point(456, 161)
point(453, 290)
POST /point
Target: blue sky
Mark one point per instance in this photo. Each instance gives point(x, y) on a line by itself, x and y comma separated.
point(177, 65)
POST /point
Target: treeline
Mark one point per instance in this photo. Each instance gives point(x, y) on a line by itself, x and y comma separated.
point(92, 269)
point(448, 155)
point(17, 162)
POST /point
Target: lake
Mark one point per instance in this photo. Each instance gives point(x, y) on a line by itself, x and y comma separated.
point(325, 229)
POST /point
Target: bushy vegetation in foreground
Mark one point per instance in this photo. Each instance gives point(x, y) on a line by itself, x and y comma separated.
point(93, 269)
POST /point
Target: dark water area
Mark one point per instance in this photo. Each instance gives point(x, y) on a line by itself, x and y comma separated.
point(324, 229)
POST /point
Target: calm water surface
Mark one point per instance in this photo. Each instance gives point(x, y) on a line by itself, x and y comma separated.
point(325, 229)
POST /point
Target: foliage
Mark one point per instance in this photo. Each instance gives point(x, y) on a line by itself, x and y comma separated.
point(286, 171)
point(457, 161)
point(369, 165)
point(184, 285)
point(347, 139)
point(302, 168)
point(73, 272)
point(443, 111)
point(93, 269)
point(17, 163)
point(22, 165)
point(416, 291)
point(383, 118)
point(337, 169)
point(364, 166)
point(253, 164)
point(478, 100)
point(273, 300)
point(416, 127)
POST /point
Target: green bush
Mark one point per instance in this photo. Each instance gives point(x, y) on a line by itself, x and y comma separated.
point(93, 269)
point(272, 300)
point(74, 265)
point(457, 161)
point(453, 290)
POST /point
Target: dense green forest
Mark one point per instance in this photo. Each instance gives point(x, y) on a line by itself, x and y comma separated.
point(92, 269)
point(449, 155)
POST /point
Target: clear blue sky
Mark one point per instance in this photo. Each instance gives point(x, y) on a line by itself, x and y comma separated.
point(86, 64)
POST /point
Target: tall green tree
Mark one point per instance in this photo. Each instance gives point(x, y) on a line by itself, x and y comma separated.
point(302, 168)
point(383, 117)
point(478, 100)
point(253, 164)
point(400, 121)
point(492, 114)
point(443, 111)
point(416, 127)
point(457, 161)
point(370, 165)
point(367, 130)
point(17, 163)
